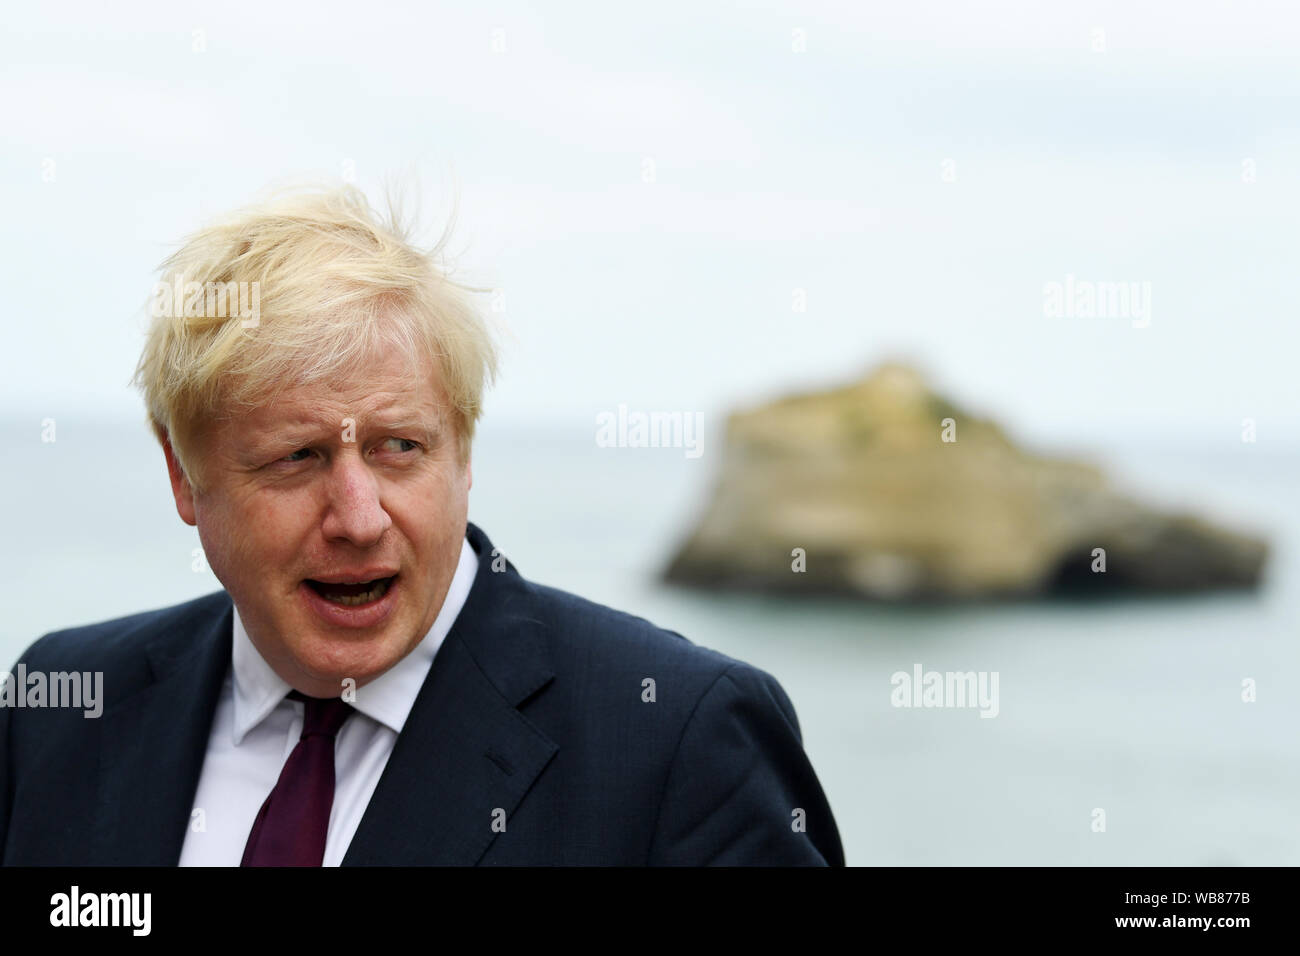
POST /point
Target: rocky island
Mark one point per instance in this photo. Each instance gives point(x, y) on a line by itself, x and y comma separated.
point(885, 490)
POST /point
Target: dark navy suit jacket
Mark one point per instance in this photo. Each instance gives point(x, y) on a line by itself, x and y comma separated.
point(533, 706)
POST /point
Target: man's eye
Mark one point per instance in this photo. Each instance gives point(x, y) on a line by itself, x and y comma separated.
point(290, 459)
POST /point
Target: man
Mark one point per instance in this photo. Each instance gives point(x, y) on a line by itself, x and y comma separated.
point(376, 683)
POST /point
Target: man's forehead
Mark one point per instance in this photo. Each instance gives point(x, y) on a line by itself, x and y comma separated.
point(381, 391)
point(320, 407)
point(407, 395)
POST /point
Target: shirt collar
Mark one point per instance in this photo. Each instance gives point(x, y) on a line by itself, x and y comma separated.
point(387, 699)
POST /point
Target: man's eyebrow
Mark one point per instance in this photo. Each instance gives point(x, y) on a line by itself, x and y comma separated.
point(300, 430)
point(412, 423)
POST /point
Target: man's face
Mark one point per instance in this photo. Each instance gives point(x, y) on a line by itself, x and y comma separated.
point(294, 494)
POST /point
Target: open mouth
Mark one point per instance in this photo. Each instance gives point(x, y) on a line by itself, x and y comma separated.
point(352, 595)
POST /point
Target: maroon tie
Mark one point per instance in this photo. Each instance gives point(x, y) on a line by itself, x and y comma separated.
point(290, 828)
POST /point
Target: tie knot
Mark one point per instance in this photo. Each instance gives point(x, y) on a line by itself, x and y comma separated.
point(324, 715)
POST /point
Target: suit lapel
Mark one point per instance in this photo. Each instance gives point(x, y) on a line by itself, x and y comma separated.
point(153, 742)
point(466, 756)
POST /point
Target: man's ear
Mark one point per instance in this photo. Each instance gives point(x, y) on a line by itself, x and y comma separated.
point(181, 489)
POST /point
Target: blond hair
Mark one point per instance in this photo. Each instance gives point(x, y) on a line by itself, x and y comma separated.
point(335, 285)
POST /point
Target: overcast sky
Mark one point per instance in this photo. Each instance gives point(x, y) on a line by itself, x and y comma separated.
point(920, 171)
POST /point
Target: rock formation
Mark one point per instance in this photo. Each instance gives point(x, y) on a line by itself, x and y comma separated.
point(861, 479)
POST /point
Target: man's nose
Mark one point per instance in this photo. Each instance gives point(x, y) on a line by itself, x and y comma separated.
point(353, 510)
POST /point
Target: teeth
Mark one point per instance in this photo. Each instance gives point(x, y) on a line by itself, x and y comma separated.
point(373, 594)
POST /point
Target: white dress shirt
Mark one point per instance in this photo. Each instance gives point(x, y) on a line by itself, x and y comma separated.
point(256, 727)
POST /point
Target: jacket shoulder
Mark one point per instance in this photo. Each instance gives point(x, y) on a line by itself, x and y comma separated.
point(711, 774)
point(94, 646)
point(601, 628)
point(608, 645)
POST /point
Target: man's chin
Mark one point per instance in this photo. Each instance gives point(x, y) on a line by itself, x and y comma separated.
point(332, 663)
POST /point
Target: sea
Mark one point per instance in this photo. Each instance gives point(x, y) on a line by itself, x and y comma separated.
point(1129, 731)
